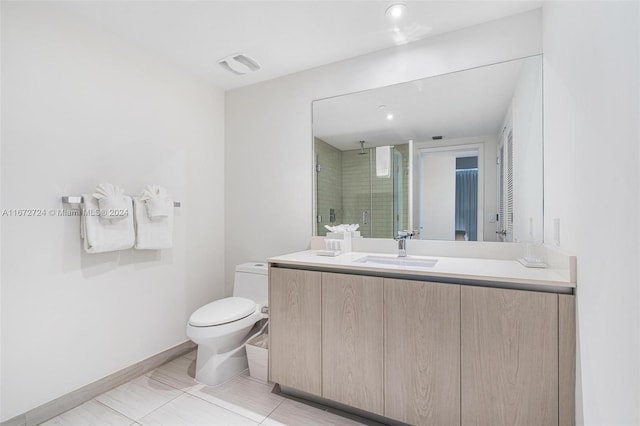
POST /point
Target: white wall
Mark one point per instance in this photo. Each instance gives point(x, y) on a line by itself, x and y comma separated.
point(528, 154)
point(80, 107)
point(487, 189)
point(437, 198)
point(268, 151)
point(591, 164)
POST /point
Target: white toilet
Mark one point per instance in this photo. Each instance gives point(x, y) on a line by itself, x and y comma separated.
point(221, 328)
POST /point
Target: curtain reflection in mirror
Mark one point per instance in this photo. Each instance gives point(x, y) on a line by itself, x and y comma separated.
point(467, 204)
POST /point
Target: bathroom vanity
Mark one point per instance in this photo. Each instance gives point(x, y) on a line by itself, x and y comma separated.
point(462, 341)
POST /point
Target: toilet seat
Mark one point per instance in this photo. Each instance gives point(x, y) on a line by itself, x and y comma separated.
point(222, 311)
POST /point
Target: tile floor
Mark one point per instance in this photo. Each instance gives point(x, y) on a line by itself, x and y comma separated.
point(169, 396)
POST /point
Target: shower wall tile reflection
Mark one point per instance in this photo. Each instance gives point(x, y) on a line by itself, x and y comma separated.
point(356, 189)
point(328, 185)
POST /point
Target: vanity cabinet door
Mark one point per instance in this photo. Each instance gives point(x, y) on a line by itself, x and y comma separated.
point(509, 357)
point(295, 329)
point(422, 352)
point(567, 359)
point(352, 345)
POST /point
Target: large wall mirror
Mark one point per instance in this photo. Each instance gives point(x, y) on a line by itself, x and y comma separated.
point(456, 156)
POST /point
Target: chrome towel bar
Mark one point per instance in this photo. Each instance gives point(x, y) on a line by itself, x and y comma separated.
point(77, 199)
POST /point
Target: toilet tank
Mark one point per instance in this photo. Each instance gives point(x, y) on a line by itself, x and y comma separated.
point(251, 281)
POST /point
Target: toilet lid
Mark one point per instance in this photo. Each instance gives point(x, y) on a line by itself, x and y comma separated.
point(222, 311)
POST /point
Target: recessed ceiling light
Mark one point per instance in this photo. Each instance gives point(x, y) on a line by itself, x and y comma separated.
point(389, 116)
point(396, 29)
point(396, 11)
point(382, 106)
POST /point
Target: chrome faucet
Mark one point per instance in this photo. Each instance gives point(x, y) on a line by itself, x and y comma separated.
point(402, 238)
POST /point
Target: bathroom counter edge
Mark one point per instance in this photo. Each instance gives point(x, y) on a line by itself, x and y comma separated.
point(493, 272)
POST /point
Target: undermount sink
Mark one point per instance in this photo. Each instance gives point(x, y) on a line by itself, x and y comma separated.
point(398, 261)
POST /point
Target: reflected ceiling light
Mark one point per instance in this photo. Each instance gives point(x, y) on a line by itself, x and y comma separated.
point(396, 11)
point(389, 116)
point(400, 39)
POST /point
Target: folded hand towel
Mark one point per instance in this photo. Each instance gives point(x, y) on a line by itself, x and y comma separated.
point(103, 235)
point(154, 198)
point(345, 227)
point(111, 202)
point(153, 234)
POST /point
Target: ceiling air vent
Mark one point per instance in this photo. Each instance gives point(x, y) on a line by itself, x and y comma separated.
point(239, 64)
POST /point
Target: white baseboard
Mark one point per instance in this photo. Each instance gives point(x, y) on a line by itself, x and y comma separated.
point(80, 396)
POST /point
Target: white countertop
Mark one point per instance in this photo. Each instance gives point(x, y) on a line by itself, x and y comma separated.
point(449, 268)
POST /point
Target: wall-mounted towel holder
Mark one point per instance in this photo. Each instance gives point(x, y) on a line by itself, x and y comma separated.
point(77, 199)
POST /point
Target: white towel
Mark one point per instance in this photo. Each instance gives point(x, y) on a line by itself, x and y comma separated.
point(153, 234)
point(102, 235)
point(111, 201)
point(383, 161)
point(154, 197)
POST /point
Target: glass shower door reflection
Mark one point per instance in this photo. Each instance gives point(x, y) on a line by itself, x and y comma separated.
point(356, 189)
point(349, 191)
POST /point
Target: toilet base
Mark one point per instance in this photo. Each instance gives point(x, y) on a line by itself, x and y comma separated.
point(215, 368)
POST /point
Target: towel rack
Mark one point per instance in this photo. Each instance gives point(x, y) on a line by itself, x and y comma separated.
point(77, 199)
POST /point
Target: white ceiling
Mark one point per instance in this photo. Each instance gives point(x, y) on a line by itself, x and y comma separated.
point(283, 36)
point(458, 105)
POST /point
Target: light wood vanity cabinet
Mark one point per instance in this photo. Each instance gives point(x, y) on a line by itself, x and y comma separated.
point(352, 345)
point(424, 353)
point(509, 357)
point(295, 329)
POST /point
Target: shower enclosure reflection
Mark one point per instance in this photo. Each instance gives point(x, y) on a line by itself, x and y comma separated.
point(352, 187)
